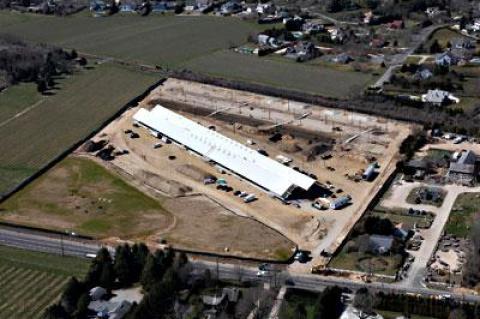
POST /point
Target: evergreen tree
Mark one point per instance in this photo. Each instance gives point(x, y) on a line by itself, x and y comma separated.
point(70, 296)
point(329, 304)
point(124, 265)
point(55, 311)
point(140, 253)
point(82, 307)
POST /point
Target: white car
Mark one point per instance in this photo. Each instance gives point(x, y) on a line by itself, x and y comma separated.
point(263, 273)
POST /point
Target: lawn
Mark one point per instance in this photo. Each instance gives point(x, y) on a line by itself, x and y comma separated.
point(81, 104)
point(31, 281)
point(365, 262)
point(461, 217)
point(408, 221)
point(443, 35)
point(80, 195)
point(282, 73)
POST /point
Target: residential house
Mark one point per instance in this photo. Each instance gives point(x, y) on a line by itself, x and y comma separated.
point(231, 7)
point(266, 9)
point(342, 58)
point(352, 313)
point(475, 26)
point(160, 7)
point(462, 43)
point(265, 40)
point(432, 11)
point(127, 8)
point(97, 293)
point(302, 51)
point(423, 74)
point(312, 28)
point(396, 25)
point(367, 17)
point(465, 169)
point(380, 244)
point(401, 232)
point(439, 97)
point(446, 58)
point(336, 34)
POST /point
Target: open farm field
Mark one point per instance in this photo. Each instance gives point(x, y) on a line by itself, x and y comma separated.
point(178, 42)
point(160, 40)
point(31, 281)
point(53, 123)
point(314, 79)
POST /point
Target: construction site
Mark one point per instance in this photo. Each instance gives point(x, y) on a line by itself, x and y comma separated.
point(344, 158)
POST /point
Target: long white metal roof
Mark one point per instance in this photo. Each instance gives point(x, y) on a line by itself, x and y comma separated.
point(230, 154)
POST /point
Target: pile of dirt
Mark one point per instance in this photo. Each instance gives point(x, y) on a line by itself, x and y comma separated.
point(193, 172)
point(315, 229)
point(289, 146)
point(167, 186)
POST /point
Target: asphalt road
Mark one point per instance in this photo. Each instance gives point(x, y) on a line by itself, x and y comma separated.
point(70, 246)
point(49, 243)
point(318, 282)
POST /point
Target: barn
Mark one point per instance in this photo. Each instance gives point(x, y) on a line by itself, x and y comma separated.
point(276, 178)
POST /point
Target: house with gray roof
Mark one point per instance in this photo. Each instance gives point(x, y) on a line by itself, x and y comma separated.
point(446, 59)
point(465, 169)
point(439, 97)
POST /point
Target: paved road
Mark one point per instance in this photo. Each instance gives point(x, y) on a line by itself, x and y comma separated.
point(51, 243)
point(318, 282)
point(37, 241)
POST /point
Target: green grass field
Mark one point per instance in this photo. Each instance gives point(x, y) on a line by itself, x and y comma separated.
point(162, 40)
point(356, 261)
point(16, 99)
point(80, 195)
point(30, 281)
point(461, 217)
point(178, 42)
point(282, 73)
point(82, 102)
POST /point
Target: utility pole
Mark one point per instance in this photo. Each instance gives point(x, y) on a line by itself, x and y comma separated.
point(61, 245)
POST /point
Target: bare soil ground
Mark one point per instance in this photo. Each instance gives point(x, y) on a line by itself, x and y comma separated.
point(355, 140)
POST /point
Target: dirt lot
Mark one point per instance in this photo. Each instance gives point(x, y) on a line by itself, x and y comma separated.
point(352, 139)
point(82, 196)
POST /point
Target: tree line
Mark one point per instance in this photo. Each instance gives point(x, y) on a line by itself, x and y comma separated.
point(22, 61)
point(161, 274)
